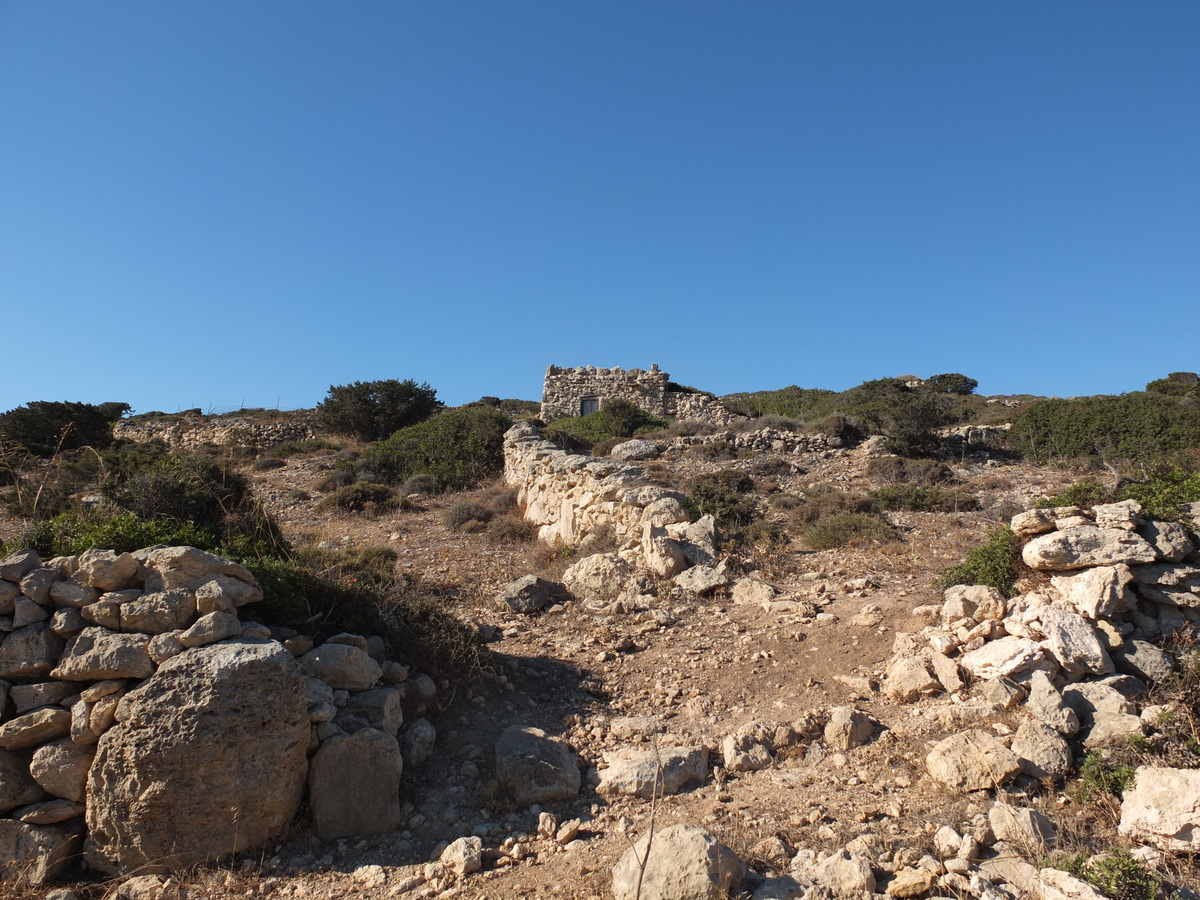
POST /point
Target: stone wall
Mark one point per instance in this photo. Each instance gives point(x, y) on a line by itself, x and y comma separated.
point(566, 389)
point(191, 432)
point(569, 497)
point(121, 671)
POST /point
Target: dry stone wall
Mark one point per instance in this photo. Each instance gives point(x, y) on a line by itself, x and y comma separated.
point(145, 725)
point(568, 391)
point(570, 496)
point(192, 432)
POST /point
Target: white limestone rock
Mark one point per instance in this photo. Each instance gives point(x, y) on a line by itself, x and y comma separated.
point(684, 863)
point(972, 761)
point(1163, 809)
point(1086, 546)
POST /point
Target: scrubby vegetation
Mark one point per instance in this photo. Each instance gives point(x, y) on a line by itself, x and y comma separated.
point(372, 410)
point(726, 495)
point(459, 447)
point(44, 428)
point(994, 563)
point(615, 419)
point(1163, 491)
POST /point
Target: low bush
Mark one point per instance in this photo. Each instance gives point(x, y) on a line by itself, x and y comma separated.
point(993, 563)
point(288, 449)
point(898, 470)
point(71, 533)
point(1162, 492)
point(266, 463)
point(331, 481)
point(826, 501)
point(363, 497)
point(763, 534)
point(716, 450)
point(724, 494)
point(615, 419)
point(422, 485)
point(467, 516)
point(844, 528)
point(914, 498)
point(510, 529)
point(1116, 874)
point(1140, 427)
point(459, 447)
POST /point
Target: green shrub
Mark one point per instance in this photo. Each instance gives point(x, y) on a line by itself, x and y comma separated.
point(372, 410)
point(287, 449)
point(71, 533)
point(724, 494)
point(466, 515)
point(615, 419)
point(1177, 384)
point(763, 534)
point(1118, 875)
point(459, 447)
point(898, 470)
point(915, 498)
point(825, 501)
point(1085, 493)
point(45, 427)
point(1101, 773)
point(842, 528)
point(1162, 493)
point(993, 563)
point(362, 497)
point(718, 449)
point(424, 485)
point(1139, 427)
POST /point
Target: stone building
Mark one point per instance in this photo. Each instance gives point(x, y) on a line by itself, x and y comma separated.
point(584, 389)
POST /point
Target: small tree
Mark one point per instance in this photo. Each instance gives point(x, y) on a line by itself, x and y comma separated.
point(372, 410)
point(951, 383)
point(44, 427)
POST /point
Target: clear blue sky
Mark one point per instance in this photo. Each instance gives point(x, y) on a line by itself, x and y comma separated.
point(216, 203)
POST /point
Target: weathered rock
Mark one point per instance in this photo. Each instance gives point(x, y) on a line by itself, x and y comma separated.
point(701, 580)
point(35, 728)
point(212, 627)
point(847, 728)
point(1163, 808)
point(17, 565)
point(636, 772)
point(17, 787)
point(61, 768)
point(600, 576)
point(1125, 515)
point(632, 451)
point(34, 854)
point(187, 567)
point(26, 697)
point(1003, 657)
point(947, 672)
point(105, 612)
point(354, 785)
point(1046, 705)
point(106, 570)
point(700, 540)
point(911, 882)
point(751, 591)
point(663, 555)
point(1055, 884)
point(463, 856)
point(1098, 592)
point(164, 646)
point(747, 749)
point(8, 595)
point(1021, 826)
point(534, 768)
point(49, 812)
point(1031, 522)
point(159, 612)
point(97, 654)
point(379, 708)
point(975, 601)
point(684, 863)
point(208, 758)
point(1086, 546)
point(31, 652)
point(1103, 710)
point(1074, 643)
point(1003, 692)
point(419, 740)
point(342, 667)
point(36, 585)
point(845, 873)
point(908, 679)
point(972, 761)
point(1144, 660)
point(69, 592)
point(1169, 539)
point(223, 593)
point(530, 594)
point(26, 612)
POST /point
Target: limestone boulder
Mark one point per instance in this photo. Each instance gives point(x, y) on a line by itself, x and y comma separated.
point(750, 591)
point(342, 666)
point(534, 768)
point(1020, 825)
point(354, 785)
point(1086, 546)
point(210, 628)
point(530, 594)
point(663, 555)
point(463, 856)
point(17, 565)
point(1032, 522)
point(1042, 751)
point(106, 570)
point(701, 580)
point(1046, 705)
point(1125, 515)
point(1074, 643)
point(908, 679)
point(30, 652)
point(684, 862)
point(1170, 540)
point(636, 450)
point(973, 601)
point(1001, 658)
point(187, 567)
point(97, 654)
point(208, 758)
point(1163, 809)
point(636, 772)
point(600, 576)
point(972, 761)
point(17, 787)
point(1099, 592)
point(61, 768)
point(1103, 711)
point(159, 612)
point(847, 728)
point(35, 728)
point(1144, 660)
point(35, 854)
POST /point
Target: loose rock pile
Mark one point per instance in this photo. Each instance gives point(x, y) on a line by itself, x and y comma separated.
point(195, 431)
point(145, 724)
